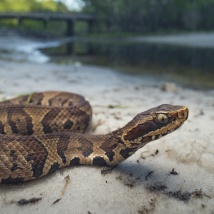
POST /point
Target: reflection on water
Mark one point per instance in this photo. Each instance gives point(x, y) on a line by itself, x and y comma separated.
point(127, 53)
point(139, 56)
point(14, 47)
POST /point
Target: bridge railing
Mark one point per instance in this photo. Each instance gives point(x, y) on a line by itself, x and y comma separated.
point(45, 17)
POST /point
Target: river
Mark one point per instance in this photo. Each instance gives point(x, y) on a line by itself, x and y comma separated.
point(184, 58)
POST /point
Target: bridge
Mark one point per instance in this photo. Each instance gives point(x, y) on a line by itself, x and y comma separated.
point(46, 17)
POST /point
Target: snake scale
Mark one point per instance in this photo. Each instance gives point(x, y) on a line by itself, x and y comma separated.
point(42, 132)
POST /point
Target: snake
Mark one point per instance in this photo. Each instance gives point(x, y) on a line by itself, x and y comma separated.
point(45, 131)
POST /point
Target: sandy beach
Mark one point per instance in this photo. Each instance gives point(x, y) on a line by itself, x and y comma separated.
point(174, 174)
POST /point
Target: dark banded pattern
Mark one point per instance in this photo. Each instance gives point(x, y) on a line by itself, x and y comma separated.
point(43, 132)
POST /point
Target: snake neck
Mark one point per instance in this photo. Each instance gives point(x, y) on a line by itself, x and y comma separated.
point(124, 148)
point(131, 137)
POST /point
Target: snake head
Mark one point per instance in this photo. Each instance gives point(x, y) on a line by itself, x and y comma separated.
point(154, 123)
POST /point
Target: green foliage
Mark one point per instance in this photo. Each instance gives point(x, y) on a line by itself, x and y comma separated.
point(31, 6)
point(53, 27)
point(56, 28)
point(152, 15)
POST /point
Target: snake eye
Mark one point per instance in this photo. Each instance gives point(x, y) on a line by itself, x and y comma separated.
point(162, 118)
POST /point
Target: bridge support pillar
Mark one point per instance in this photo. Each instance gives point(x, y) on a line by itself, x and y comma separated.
point(90, 26)
point(45, 23)
point(70, 27)
point(20, 21)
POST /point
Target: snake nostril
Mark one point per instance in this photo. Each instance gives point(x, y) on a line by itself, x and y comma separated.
point(181, 114)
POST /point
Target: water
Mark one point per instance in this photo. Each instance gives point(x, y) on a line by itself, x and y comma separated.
point(188, 65)
point(187, 60)
point(14, 47)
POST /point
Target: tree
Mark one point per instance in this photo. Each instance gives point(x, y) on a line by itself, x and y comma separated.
point(32, 5)
point(152, 15)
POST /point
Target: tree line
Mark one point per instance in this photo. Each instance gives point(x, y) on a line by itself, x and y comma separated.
point(142, 16)
point(126, 16)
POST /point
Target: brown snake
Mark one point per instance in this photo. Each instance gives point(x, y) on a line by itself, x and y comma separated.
point(42, 132)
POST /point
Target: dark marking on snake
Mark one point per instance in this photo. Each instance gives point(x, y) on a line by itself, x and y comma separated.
point(62, 146)
point(54, 167)
point(1, 128)
point(37, 158)
point(99, 161)
point(48, 121)
point(75, 161)
point(125, 153)
point(68, 124)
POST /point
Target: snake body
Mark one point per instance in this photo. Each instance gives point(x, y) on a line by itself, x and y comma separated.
point(42, 132)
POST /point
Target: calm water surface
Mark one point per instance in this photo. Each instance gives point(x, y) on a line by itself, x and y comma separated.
point(188, 65)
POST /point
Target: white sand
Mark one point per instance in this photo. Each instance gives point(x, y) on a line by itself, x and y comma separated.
point(128, 189)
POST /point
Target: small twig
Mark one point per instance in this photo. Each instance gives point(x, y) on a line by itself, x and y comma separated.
point(56, 201)
point(107, 169)
point(173, 172)
point(28, 201)
point(199, 193)
point(67, 181)
point(153, 154)
point(29, 98)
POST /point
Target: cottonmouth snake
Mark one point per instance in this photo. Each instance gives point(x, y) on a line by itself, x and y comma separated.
point(42, 132)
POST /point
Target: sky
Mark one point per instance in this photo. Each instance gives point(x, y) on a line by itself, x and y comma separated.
point(73, 4)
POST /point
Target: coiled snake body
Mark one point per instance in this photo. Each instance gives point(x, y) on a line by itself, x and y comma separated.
point(42, 132)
